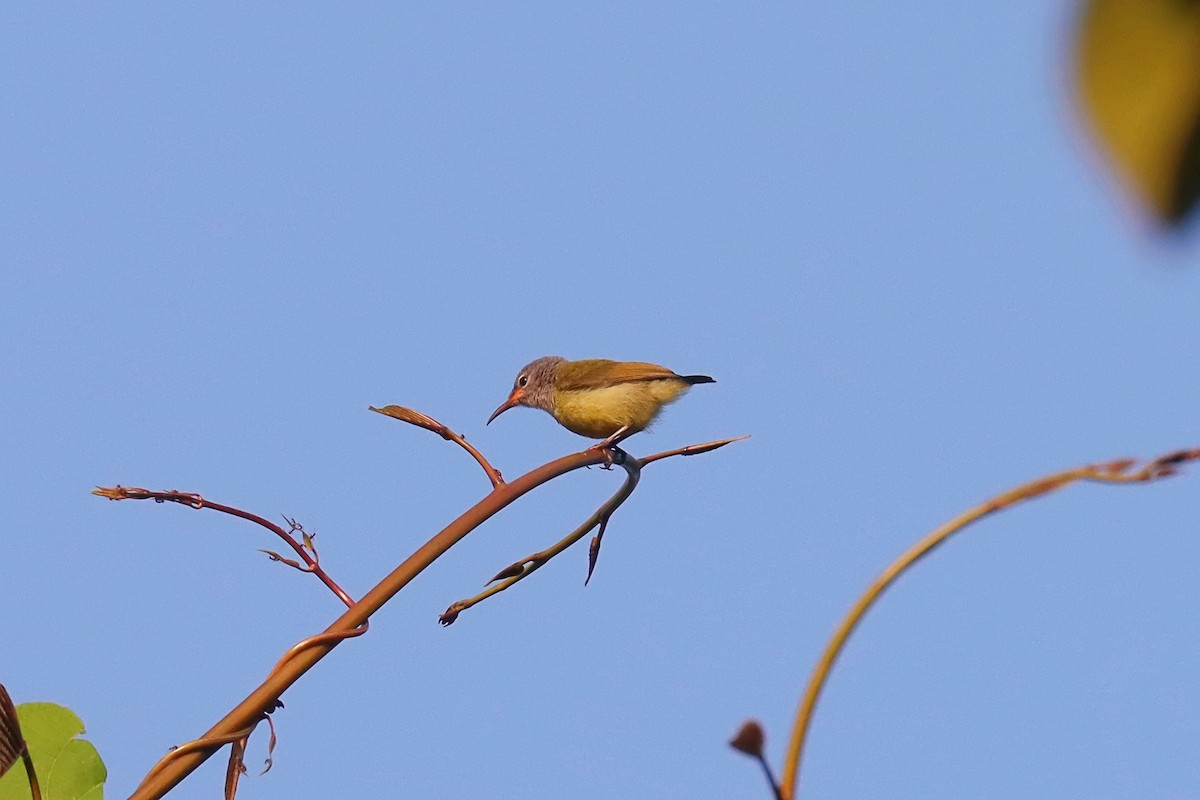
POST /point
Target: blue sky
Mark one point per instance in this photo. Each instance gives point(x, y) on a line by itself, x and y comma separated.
point(883, 231)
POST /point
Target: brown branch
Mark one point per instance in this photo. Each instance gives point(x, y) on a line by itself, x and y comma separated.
point(691, 449)
point(522, 569)
point(519, 570)
point(236, 767)
point(1121, 471)
point(193, 500)
point(207, 744)
point(430, 424)
point(301, 657)
point(328, 637)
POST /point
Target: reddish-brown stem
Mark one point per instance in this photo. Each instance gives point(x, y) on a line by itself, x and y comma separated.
point(430, 424)
point(518, 571)
point(196, 501)
point(691, 449)
point(208, 744)
point(1120, 471)
point(236, 766)
point(246, 713)
point(303, 656)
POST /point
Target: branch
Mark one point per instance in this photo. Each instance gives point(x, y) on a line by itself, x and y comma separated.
point(520, 570)
point(302, 656)
point(193, 500)
point(1121, 471)
point(430, 424)
point(691, 449)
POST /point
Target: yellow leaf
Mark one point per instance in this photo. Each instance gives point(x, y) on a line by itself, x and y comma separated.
point(1138, 70)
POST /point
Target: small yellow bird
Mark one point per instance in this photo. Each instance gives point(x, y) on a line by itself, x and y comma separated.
point(597, 397)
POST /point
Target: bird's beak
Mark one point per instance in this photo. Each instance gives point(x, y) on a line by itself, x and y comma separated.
point(513, 401)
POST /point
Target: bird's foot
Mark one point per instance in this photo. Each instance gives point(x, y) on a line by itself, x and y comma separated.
point(612, 453)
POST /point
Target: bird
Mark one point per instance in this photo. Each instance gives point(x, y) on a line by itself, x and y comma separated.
point(596, 397)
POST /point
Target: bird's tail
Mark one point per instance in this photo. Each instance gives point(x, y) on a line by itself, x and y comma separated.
point(692, 380)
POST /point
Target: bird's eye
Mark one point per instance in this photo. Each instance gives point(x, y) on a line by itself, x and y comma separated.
point(521, 381)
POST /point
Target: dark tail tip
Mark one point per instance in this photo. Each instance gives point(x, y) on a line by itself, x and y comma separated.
point(692, 380)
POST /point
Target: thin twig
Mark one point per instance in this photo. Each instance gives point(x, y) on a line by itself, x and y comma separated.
point(301, 657)
point(1111, 472)
point(522, 569)
point(236, 767)
point(319, 640)
point(194, 500)
point(430, 424)
point(691, 449)
point(208, 745)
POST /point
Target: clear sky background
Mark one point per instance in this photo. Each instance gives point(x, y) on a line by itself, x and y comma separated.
point(228, 231)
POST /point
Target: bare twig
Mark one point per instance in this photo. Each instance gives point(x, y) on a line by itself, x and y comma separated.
point(242, 719)
point(207, 745)
point(305, 547)
point(236, 767)
point(430, 424)
point(170, 771)
point(1121, 471)
point(691, 449)
point(271, 742)
point(193, 500)
point(519, 570)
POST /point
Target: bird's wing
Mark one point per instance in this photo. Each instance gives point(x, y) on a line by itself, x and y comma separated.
point(598, 372)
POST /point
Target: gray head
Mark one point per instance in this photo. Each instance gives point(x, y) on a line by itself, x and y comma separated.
point(533, 387)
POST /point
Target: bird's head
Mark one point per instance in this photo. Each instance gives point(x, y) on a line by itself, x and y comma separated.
point(533, 387)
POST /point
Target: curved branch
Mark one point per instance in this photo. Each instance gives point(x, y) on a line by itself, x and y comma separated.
point(519, 570)
point(193, 500)
point(522, 569)
point(1112, 472)
point(430, 424)
point(301, 657)
point(196, 746)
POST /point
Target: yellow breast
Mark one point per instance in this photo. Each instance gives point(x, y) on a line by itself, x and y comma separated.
point(600, 412)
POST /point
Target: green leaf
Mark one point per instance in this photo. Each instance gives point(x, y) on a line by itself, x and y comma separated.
point(67, 768)
point(1138, 72)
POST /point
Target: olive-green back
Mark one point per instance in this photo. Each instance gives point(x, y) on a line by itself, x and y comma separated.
point(594, 373)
